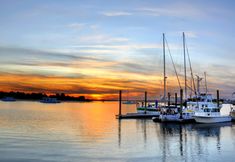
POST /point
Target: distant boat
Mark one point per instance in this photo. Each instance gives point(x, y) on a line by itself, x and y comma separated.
point(128, 102)
point(49, 100)
point(8, 99)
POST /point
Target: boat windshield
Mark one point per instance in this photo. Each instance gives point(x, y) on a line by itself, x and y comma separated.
point(212, 110)
point(215, 110)
point(206, 110)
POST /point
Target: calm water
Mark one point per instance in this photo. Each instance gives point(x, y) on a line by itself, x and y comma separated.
point(32, 131)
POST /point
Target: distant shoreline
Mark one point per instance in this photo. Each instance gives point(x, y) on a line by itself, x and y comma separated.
point(22, 96)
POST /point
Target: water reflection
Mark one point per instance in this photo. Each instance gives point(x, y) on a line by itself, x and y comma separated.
point(188, 140)
point(90, 132)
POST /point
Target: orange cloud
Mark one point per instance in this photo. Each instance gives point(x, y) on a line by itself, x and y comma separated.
point(96, 88)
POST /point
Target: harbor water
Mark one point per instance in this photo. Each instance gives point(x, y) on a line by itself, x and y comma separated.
point(89, 132)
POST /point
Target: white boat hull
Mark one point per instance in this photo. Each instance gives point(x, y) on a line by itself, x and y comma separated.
point(212, 119)
point(175, 118)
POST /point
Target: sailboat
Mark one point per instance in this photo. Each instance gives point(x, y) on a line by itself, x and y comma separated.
point(175, 113)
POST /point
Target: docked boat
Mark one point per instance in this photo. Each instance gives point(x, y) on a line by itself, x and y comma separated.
point(208, 111)
point(49, 100)
point(151, 108)
point(175, 113)
point(172, 114)
point(8, 99)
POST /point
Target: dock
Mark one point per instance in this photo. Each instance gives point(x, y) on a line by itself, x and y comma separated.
point(136, 116)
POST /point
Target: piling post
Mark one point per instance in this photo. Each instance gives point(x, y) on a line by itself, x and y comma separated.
point(217, 98)
point(145, 102)
point(175, 99)
point(169, 99)
point(120, 102)
point(181, 102)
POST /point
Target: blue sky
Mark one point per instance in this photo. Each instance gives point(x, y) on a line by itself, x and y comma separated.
point(115, 40)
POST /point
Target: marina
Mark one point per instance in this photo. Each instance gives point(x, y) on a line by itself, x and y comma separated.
point(117, 81)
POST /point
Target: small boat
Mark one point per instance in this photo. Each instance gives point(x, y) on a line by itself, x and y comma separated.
point(209, 112)
point(49, 100)
point(151, 108)
point(172, 114)
point(128, 102)
point(8, 99)
point(232, 112)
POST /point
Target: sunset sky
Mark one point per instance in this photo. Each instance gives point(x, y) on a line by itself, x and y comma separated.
point(95, 48)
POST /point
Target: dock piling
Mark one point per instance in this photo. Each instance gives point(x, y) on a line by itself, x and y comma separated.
point(169, 99)
point(120, 102)
point(145, 102)
point(175, 99)
point(217, 98)
point(181, 102)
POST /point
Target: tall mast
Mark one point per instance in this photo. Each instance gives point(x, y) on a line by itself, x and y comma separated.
point(205, 82)
point(185, 74)
point(164, 68)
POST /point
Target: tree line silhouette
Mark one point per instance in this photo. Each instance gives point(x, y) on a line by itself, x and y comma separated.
point(39, 96)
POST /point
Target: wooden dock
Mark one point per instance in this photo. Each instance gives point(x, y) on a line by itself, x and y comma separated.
point(136, 116)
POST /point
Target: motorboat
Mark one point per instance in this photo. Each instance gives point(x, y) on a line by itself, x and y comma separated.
point(8, 99)
point(207, 111)
point(151, 108)
point(49, 100)
point(128, 102)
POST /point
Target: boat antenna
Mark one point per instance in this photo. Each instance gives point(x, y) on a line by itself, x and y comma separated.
point(185, 72)
point(198, 85)
point(173, 64)
point(164, 66)
point(205, 82)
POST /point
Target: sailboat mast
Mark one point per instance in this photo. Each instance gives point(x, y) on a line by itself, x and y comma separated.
point(205, 82)
point(185, 72)
point(164, 67)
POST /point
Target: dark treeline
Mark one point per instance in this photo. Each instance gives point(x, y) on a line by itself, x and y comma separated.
point(39, 96)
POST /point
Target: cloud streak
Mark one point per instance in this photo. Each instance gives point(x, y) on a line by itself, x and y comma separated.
point(116, 13)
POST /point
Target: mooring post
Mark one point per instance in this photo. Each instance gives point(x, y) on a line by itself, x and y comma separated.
point(120, 103)
point(175, 99)
point(217, 98)
point(181, 102)
point(169, 99)
point(145, 102)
